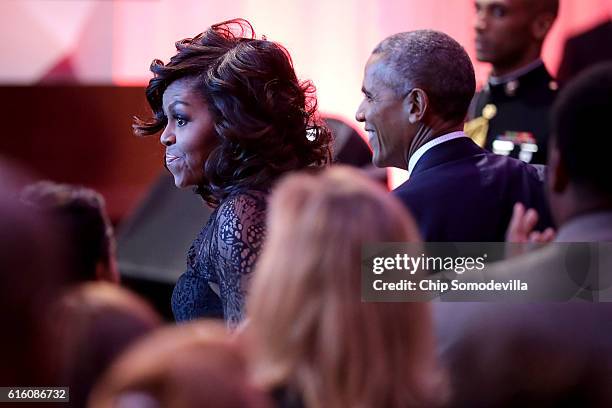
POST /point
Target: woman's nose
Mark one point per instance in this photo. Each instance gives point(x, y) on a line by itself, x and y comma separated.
point(167, 137)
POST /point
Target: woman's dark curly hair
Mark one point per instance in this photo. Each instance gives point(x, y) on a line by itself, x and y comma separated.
point(265, 119)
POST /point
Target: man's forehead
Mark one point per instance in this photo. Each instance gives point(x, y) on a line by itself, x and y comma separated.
point(375, 66)
point(511, 4)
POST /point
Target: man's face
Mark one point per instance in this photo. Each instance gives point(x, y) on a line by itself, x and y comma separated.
point(382, 112)
point(503, 30)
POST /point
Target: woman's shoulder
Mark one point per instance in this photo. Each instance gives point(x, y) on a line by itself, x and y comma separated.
point(242, 211)
point(244, 203)
point(240, 226)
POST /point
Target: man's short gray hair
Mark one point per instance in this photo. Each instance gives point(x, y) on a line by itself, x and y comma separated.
point(434, 62)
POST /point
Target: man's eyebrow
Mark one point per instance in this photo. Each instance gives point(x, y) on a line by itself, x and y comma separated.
point(490, 4)
point(497, 4)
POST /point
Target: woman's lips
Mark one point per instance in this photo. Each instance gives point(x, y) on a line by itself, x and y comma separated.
point(170, 158)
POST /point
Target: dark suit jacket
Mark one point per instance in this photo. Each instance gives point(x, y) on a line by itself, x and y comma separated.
point(526, 355)
point(460, 192)
point(536, 354)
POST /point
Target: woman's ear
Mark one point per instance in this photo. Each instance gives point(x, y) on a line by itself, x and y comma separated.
point(416, 104)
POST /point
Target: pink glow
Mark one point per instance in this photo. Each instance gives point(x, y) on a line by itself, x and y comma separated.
point(114, 42)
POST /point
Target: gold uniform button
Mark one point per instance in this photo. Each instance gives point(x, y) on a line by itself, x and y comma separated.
point(511, 87)
point(553, 85)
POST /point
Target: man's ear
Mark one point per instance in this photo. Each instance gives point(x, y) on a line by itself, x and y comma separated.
point(541, 25)
point(416, 104)
point(557, 172)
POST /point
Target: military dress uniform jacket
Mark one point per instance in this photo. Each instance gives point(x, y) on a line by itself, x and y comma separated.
point(515, 114)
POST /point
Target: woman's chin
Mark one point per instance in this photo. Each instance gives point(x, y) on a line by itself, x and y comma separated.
point(186, 181)
point(180, 183)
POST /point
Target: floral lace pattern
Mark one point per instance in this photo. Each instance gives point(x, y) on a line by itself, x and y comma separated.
point(220, 261)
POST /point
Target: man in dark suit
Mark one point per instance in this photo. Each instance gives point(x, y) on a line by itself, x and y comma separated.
point(579, 190)
point(417, 88)
point(548, 354)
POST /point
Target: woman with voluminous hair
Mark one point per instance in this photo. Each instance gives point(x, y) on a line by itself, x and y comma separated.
point(314, 342)
point(233, 118)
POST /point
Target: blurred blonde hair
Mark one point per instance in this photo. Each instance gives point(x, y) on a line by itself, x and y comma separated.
point(190, 365)
point(309, 328)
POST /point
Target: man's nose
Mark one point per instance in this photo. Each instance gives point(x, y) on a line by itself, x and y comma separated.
point(480, 24)
point(360, 115)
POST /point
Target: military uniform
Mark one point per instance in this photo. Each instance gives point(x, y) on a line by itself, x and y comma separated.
point(510, 115)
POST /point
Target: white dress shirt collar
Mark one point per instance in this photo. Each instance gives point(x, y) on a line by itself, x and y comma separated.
point(432, 143)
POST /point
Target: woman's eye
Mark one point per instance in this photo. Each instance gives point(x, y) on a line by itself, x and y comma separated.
point(180, 122)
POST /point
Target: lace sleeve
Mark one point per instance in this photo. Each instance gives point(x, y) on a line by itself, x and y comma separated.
point(239, 238)
point(193, 298)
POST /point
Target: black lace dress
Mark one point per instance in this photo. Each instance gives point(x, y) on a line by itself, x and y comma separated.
point(221, 260)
